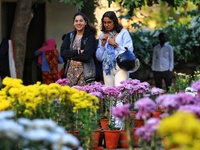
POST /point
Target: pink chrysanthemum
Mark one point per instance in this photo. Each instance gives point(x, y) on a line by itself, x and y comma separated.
point(121, 111)
point(156, 91)
point(148, 130)
point(145, 106)
point(63, 82)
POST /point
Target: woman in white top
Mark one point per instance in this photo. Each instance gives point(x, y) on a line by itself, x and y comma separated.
point(112, 42)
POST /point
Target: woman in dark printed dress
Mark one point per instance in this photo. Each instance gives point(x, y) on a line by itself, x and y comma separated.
point(78, 49)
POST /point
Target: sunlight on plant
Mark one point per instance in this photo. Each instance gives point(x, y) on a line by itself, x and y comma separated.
point(67, 106)
point(182, 81)
point(187, 137)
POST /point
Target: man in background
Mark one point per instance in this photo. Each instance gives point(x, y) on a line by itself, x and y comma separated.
point(163, 62)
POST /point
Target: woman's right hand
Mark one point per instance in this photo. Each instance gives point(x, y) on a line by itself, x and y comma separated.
point(104, 39)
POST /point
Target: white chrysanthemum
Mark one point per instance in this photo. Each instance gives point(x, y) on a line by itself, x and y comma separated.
point(178, 12)
point(68, 138)
point(24, 121)
point(37, 135)
point(55, 138)
point(10, 129)
point(63, 139)
point(55, 147)
point(80, 148)
point(191, 91)
point(60, 130)
point(6, 114)
point(193, 23)
point(43, 123)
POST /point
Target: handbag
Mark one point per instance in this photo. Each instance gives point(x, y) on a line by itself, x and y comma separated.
point(127, 61)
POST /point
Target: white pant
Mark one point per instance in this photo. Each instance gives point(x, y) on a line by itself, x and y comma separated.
point(117, 75)
point(118, 122)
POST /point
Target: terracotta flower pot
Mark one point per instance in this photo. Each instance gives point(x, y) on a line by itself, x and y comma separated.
point(95, 138)
point(132, 115)
point(165, 141)
point(111, 138)
point(135, 138)
point(123, 140)
point(138, 123)
point(104, 123)
point(75, 133)
point(157, 114)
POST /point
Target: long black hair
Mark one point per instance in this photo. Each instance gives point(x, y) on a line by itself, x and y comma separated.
point(88, 23)
point(111, 15)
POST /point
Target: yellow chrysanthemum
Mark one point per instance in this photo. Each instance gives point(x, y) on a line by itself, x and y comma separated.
point(2, 93)
point(27, 98)
point(181, 138)
point(53, 93)
point(181, 128)
point(4, 104)
point(55, 86)
point(191, 127)
point(14, 92)
point(196, 144)
point(31, 106)
point(43, 89)
point(11, 82)
point(28, 112)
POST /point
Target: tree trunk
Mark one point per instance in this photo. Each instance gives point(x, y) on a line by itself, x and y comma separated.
point(23, 17)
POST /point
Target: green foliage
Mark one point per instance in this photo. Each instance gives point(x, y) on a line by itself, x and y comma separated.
point(196, 75)
point(132, 5)
point(183, 37)
point(87, 126)
point(182, 82)
point(77, 3)
point(89, 8)
point(83, 5)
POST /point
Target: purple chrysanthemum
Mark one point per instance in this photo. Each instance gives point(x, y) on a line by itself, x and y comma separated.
point(191, 108)
point(148, 130)
point(144, 106)
point(121, 111)
point(174, 101)
point(167, 102)
point(156, 91)
point(97, 94)
point(63, 82)
point(112, 91)
point(196, 85)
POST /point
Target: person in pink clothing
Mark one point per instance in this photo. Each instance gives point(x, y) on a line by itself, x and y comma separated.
point(48, 60)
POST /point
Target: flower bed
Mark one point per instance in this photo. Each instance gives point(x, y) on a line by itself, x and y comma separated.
point(82, 107)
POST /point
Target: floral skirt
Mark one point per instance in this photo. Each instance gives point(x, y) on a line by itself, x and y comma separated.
point(75, 74)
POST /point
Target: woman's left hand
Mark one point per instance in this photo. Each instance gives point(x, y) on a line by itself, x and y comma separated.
point(112, 42)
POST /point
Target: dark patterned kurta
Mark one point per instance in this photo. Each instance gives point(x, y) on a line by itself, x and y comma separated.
point(75, 70)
